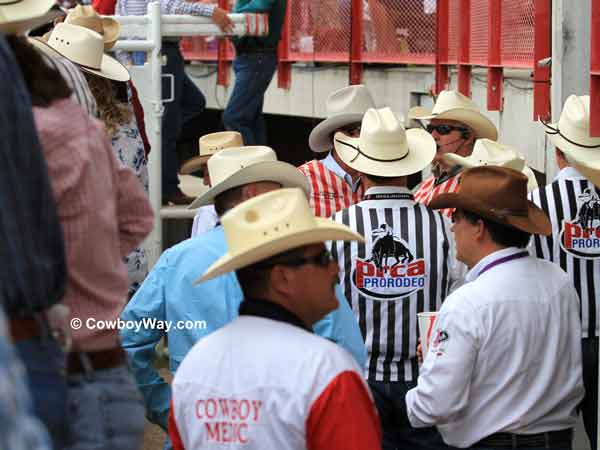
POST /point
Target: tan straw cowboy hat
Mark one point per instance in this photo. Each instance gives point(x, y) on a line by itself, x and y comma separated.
point(269, 224)
point(492, 153)
point(572, 136)
point(498, 194)
point(344, 107)
point(452, 105)
point(384, 147)
point(86, 16)
point(83, 47)
point(237, 166)
point(208, 145)
point(19, 16)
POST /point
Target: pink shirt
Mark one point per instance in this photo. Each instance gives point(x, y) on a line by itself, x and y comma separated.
point(103, 211)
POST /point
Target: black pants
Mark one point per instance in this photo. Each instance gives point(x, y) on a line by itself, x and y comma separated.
point(589, 406)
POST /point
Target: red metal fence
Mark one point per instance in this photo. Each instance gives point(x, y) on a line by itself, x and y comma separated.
point(495, 34)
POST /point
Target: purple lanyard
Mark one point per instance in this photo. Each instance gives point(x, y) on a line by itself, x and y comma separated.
point(502, 261)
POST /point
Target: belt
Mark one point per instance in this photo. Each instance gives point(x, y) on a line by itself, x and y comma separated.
point(253, 50)
point(549, 439)
point(23, 329)
point(77, 362)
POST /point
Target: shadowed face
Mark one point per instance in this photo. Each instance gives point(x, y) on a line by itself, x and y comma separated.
point(450, 136)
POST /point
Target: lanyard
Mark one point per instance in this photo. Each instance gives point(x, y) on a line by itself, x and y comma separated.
point(390, 196)
point(502, 261)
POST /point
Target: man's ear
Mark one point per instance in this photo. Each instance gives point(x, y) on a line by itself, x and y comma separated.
point(281, 279)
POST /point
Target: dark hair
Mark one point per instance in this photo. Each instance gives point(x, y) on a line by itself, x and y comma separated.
point(227, 200)
point(44, 83)
point(503, 235)
point(254, 279)
point(379, 179)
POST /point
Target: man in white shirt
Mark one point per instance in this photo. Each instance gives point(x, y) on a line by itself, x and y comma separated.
point(504, 365)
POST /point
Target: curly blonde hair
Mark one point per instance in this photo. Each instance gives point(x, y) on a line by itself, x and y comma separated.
point(113, 112)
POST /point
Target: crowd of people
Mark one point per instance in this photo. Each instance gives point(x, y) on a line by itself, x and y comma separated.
point(307, 281)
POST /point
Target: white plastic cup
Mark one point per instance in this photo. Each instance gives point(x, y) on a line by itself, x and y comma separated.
point(426, 323)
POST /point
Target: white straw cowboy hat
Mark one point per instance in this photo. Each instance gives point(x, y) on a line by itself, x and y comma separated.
point(452, 105)
point(384, 147)
point(237, 166)
point(208, 145)
point(344, 107)
point(83, 47)
point(19, 16)
point(270, 224)
point(572, 135)
point(86, 16)
point(491, 153)
point(589, 169)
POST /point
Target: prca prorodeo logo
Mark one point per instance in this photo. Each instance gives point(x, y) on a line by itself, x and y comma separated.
point(391, 271)
point(581, 235)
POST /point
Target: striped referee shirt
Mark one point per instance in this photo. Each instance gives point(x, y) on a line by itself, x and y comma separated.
point(330, 191)
point(405, 266)
point(431, 187)
point(573, 205)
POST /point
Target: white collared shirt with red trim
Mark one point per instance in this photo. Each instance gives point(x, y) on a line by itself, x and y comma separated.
point(261, 384)
point(428, 189)
point(331, 189)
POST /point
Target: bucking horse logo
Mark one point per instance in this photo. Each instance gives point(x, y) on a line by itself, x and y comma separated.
point(386, 246)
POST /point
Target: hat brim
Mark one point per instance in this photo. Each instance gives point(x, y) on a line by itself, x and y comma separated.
point(109, 67)
point(320, 138)
point(536, 221)
point(193, 164)
point(483, 127)
point(421, 151)
point(21, 26)
point(325, 230)
point(275, 171)
point(569, 149)
point(589, 170)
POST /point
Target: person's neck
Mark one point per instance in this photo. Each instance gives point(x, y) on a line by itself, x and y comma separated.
point(484, 252)
point(393, 182)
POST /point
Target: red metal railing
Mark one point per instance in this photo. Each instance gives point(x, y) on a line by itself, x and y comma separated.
point(495, 34)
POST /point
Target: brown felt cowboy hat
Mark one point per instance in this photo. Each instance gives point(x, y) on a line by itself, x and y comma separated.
point(86, 16)
point(498, 194)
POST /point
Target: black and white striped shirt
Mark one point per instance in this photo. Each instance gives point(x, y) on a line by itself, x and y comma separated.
point(405, 266)
point(573, 204)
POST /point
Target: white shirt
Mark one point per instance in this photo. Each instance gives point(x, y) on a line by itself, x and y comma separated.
point(506, 356)
point(206, 219)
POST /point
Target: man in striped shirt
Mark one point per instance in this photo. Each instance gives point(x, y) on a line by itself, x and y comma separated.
point(405, 266)
point(333, 184)
point(573, 204)
point(455, 123)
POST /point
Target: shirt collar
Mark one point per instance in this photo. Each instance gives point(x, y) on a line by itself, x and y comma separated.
point(388, 190)
point(333, 165)
point(474, 272)
point(569, 173)
point(269, 310)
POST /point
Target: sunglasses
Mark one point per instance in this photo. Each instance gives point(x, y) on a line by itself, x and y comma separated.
point(322, 259)
point(443, 129)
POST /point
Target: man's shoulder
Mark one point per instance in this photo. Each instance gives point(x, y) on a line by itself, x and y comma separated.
point(207, 247)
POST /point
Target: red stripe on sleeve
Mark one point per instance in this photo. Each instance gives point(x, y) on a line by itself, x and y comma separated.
point(343, 417)
point(326, 190)
point(174, 431)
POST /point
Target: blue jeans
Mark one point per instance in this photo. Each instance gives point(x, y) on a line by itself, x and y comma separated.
point(397, 431)
point(44, 362)
point(105, 411)
point(253, 73)
point(188, 102)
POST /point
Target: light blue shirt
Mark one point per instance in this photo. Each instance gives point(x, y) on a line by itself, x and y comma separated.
point(169, 295)
point(333, 165)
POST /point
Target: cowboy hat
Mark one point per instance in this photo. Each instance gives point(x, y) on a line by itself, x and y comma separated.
point(452, 105)
point(237, 166)
point(86, 16)
point(498, 194)
point(83, 47)
point(209, 144)
point(344, 107)
point(19, 16)
point(270, 224)
point(384, 147)
point(589, 169)
point(572, 133)
point(491, 153)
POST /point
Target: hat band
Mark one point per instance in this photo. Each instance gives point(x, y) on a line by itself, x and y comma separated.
point(10, 3)
point(557, 131)
point(370, 157)
point(502, 213)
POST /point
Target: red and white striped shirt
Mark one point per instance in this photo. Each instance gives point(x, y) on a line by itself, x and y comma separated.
point(429, 189)
point(329, 192)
